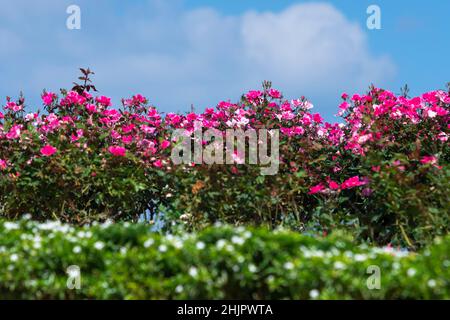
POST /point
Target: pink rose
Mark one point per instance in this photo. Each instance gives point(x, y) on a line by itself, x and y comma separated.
point(48, 97)
point(165, 144)
point(48, 150)
point(91, 108)
point(3, 164)
point(274, 93)
point(117, 151)
point(316, 189)
point(157, 163)
point(353, 182)
point(105, 101)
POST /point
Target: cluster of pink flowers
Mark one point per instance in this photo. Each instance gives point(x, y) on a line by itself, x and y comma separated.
point(364, 119)
point(352, 182)
point(88, 123)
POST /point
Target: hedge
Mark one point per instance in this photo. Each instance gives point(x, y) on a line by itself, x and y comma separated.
point(129, 261)
point(381, 171)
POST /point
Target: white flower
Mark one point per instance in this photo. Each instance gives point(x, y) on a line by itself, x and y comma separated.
point(339, 265)
point(411, 272)
point(200, 245)
point(360, 257)
point(229, 248)
point(177, 243)
point(99, 245)
point(237, 240)
point(314, 293)
point(64, 228)
point(289, 265)
point(49, 225)
point(252, 268)
point(25, 236)
point(318, 253)
point(431, 283)
point(162, 248)
point(221, 243)
point(106, 224)
point(14, 257)
point(179, 288)
point(247, 235)
point(149, 243)
point(335, 252)
point(76, 249)
point(193, 272)
point(11, 226)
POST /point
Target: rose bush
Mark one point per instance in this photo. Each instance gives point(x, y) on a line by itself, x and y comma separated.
point(382, 172)
point(79, 161)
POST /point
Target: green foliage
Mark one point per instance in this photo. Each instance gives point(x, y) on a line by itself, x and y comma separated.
point(128, 261)
point(77, 187)
point(212, 194)
point(407, 208)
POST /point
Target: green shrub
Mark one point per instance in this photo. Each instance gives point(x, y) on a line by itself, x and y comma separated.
point(129, 261)
point(405, 208)
point(382, 173)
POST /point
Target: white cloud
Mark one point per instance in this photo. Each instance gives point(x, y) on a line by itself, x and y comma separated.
point(313, 46)
point(177, 56)
point(305, 49)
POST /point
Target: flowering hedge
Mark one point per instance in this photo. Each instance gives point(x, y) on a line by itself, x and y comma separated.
point(383, 172)
point(128, 261)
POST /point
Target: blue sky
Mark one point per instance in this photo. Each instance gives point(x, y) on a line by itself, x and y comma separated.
point(179, 53)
